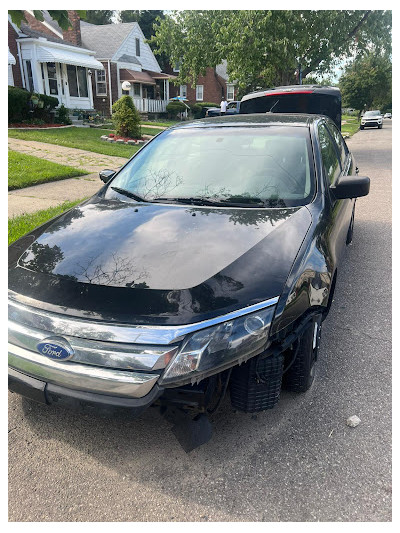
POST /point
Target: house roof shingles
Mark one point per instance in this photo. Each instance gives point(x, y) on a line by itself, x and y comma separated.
point(105, 38)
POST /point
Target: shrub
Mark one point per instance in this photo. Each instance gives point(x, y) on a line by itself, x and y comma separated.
point(126, 118)
point(62, 116)
point(174, 108)
point(17, 104)
point(198, 108)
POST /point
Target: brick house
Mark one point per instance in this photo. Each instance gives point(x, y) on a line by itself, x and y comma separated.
point(45, 59)
point(85, 66)
point(126, 57)
point(209, 88)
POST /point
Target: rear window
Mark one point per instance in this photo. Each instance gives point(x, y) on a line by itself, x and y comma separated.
point(314, 103)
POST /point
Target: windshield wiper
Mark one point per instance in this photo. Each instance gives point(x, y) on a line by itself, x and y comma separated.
point(129, 194)
point(224, 202)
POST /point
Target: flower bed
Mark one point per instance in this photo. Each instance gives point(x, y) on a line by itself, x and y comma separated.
point(113, 138)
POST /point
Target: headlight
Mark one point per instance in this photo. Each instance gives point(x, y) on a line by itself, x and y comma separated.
point(210, 350)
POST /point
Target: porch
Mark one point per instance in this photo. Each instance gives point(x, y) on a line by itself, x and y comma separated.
point(149, 90)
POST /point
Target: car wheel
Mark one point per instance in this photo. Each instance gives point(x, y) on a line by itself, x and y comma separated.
point(379, 126)
point(350, 231)
point(361, 127)
point(301, 374)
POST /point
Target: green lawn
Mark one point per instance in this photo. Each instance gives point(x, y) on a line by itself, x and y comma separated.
point(18, 226)
point(165, 123)
point(83, 138)
point(352, 124)
point(26, 170)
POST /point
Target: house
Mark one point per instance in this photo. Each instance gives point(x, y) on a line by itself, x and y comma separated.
point(209, 88)
point(51, 61)
point(86, 66)
point(126, 57)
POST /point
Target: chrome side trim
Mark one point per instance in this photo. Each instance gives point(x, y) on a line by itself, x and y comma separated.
point(68, 326)
point(81, 377)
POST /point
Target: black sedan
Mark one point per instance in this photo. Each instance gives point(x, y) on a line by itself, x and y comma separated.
point(233, 108)
point(206, 265)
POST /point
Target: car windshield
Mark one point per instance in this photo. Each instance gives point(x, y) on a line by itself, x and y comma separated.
point(372, 113)
point(244, 166)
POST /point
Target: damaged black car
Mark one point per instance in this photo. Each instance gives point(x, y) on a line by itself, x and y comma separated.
point(204, 267)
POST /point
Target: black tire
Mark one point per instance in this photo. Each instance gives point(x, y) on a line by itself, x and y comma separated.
point(350, 231)
point(379, 126)
point(301, 374)
point(361, 127)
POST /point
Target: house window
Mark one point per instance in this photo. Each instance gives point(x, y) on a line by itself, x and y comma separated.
point(10, 76)
point(137, 47)
point(199, 92)
point(177, 67)
point(52, 77)
point(230, 92)
point(183, 91)
point(29, 75)
point(101, 84)
point(136, 89)
point(77, 81)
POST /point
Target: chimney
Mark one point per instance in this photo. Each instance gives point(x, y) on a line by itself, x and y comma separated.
point(73, 34)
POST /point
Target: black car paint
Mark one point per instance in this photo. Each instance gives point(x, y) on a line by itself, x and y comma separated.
point(296, 260)
point(216, 111)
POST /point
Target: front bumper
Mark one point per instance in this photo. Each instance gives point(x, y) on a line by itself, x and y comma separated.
point(372, 123)
point(77, 400)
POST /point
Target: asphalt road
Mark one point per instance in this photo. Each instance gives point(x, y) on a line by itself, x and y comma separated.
point(298, 462)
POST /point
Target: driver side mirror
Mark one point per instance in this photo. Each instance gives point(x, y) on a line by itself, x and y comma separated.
point(106, 175)
point(350, 187)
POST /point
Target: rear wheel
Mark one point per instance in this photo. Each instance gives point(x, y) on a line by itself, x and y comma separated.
point(300, 375)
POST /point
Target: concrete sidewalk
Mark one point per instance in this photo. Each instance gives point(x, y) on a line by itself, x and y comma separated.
point(73, 157)
point(47, 195)
point(31, 199)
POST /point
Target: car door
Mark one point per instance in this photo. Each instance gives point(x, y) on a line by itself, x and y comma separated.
point(336, 162)
point(231, 109)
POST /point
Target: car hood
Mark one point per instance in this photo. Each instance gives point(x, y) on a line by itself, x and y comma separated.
point(159, 263)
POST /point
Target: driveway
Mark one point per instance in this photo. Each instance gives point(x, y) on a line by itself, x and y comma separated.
point(297, 462)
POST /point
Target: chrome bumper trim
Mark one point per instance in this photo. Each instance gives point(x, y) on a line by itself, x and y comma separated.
point(161, 335)
point(81, 377)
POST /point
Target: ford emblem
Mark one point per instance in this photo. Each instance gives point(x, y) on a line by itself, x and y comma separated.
point(55, 348)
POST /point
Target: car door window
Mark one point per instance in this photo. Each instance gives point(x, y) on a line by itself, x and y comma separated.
point(330, 158)
point(341, 145)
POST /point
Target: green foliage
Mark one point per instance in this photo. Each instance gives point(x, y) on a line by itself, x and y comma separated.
point(367, 83)
point(174, 108)
point(97, 16)
point(60, 16)
point(264, 47)
point(17, 104)
point(26, 170)
point(126, 118)
point(198, 108)
point(62, 116)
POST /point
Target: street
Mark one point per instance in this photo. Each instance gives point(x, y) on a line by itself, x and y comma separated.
point(297, 462)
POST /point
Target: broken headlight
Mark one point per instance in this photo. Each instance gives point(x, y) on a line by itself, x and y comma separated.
point(212, 349)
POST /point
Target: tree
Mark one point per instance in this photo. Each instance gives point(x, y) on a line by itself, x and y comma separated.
point(264, 48)
point(126, 118)
point(367, 83)
point(60, 16)
point(99, 16)
point(144, 17)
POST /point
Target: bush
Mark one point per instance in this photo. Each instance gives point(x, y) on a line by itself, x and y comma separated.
point(21, 107)
point(62, 116)
point(198, 108)
point(18, 109)
point(126, 118)
point(174, 108)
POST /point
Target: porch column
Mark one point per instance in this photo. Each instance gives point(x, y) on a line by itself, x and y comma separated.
point(90, 87)
point(167, 90)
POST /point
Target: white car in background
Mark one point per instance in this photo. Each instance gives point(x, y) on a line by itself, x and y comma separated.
point(387, 115)
point(371, 119)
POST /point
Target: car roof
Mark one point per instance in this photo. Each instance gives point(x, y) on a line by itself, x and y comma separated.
point(254, 119)
point(292, 89)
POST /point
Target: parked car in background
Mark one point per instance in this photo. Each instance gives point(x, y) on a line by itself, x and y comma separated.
point(372, 119)
point(206, 264)
point(232, 109)
point(316, 99)
point(387, 115)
